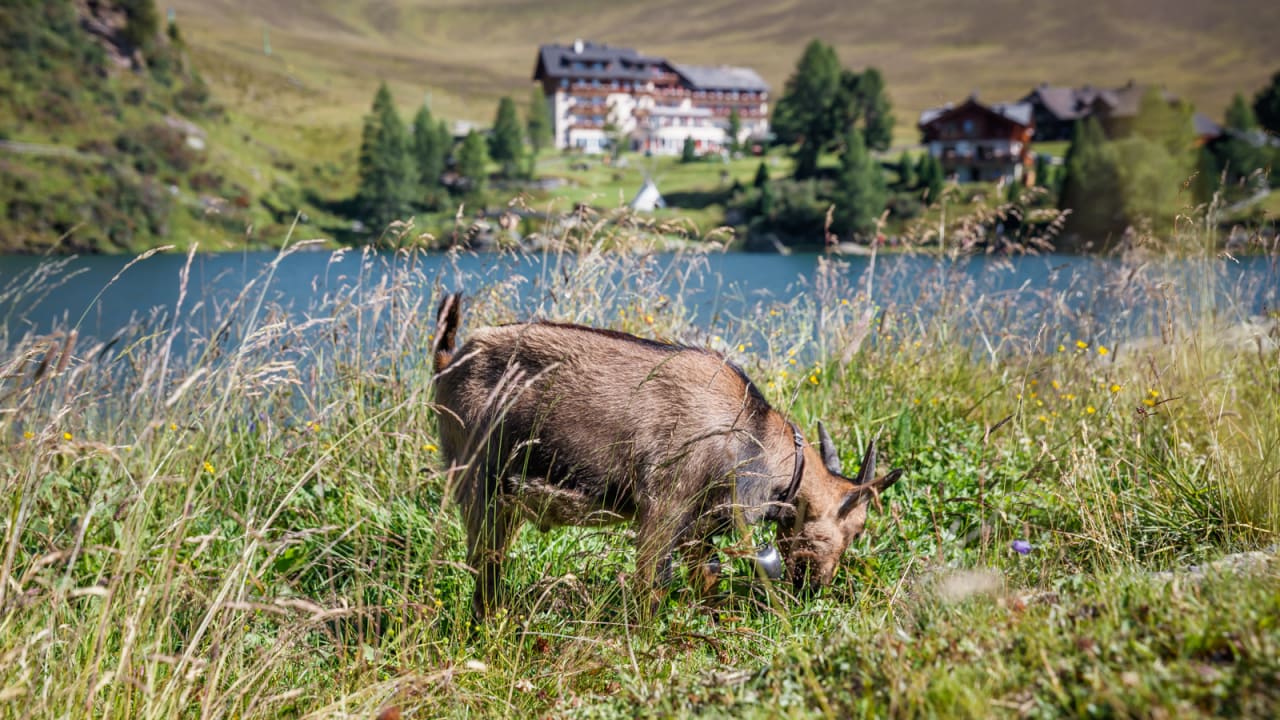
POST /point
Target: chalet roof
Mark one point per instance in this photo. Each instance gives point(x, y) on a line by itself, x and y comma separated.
point(1205, 126)
point(595, 61)
point(721, 77)
point(1019, 112)
point(1066, 103)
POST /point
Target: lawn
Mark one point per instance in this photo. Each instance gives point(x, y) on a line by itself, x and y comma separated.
point(260, 526)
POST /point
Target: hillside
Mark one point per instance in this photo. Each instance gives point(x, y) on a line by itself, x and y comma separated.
point(326, 55)
point(111, 141)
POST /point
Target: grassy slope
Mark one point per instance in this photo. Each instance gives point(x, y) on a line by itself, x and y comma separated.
point(467, 54)
point(264, 531)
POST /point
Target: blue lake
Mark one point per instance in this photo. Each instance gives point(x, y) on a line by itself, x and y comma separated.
point(81, 292)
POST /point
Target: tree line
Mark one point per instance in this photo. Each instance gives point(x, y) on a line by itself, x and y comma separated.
point(420, 168)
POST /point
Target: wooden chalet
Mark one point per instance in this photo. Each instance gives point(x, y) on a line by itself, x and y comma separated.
point(978, 142)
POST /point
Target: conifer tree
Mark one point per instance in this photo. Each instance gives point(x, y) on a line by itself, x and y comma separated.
point(1266, 105)
point(1091, 186)
point(803, 116)
point(762, 175)
point(907, 179)
point(930, 176)
point(859, 196)
point(735, 129)
point(1240, 116)
point(387, 176)
point(1166, 124)
point(506, 145)
point(876, 112)
point(538, 125)
point(472, 159)
point(429, 150)
point(689, 152)
point(141, 23)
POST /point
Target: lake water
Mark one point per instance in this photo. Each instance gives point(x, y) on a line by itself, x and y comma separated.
point(81, 291)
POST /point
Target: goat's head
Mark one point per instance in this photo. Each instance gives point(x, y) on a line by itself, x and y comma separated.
point(830, 513)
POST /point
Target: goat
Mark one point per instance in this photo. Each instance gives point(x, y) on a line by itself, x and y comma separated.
point(570, 425)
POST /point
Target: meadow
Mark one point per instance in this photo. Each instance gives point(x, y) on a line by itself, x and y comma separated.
point(255, 522)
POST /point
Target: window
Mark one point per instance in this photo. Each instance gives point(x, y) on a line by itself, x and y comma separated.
point(968, 127)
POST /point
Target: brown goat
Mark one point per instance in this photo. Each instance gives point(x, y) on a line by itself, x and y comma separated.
point(569, 425)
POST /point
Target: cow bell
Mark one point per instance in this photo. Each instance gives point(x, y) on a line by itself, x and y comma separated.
point(769, 562)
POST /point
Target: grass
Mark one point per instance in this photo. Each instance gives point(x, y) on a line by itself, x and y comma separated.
point(468, 55)
point(253, 521)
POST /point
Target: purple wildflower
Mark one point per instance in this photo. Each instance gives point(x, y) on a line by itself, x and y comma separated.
point(1022, 547)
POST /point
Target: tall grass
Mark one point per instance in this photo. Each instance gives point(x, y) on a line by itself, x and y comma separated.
point(249, 517)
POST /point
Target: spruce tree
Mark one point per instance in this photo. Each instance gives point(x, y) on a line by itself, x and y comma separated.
point(1166, 124)
point(859, 195)
point(907, 179)
point(1240, 116)
point(762, 175)
point(428, 154)
point(506, 145)
point(141, 23)
point(538, 125)
point(735, 129)
point(1091, 187)
point(689, 152)
point(1044, 172)
point(472, 159)
point(1266, 105)
point(877, 114)
point(930, 177)
point(803, 116)
point(387, 176)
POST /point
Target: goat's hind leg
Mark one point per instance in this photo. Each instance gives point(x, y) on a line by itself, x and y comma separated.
point(490, 525)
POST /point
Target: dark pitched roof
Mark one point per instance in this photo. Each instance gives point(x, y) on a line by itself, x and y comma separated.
point(1063, 103)
point(1066, 103)
point(1019, 112)
point(721, 77)
point(1205, 126)
point(595, 61)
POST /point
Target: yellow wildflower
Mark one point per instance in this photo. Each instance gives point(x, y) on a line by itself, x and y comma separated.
point(813, 379)
point(1082, 344)
point(742, 348)
point(66, 436)
point(430, 448)
point(1055, 385)
point(28, 434)
point(1115, 388)
point(648, 319)
point(208, 467)
point(1091, 410)
point(1102, 350)
point(1062, 348)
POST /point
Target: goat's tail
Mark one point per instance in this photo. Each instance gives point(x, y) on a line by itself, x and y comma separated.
point(447, 320)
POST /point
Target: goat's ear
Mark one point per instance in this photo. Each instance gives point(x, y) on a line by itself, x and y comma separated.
point(830, 457)
point(867, 468)
point(884, 483)
point(852, 499)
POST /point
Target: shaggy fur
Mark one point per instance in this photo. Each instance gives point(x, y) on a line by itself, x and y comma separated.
point(569, 425)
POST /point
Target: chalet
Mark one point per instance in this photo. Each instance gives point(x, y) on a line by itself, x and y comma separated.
point(977, 142)
point(1056, 109)
point(653, 104)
